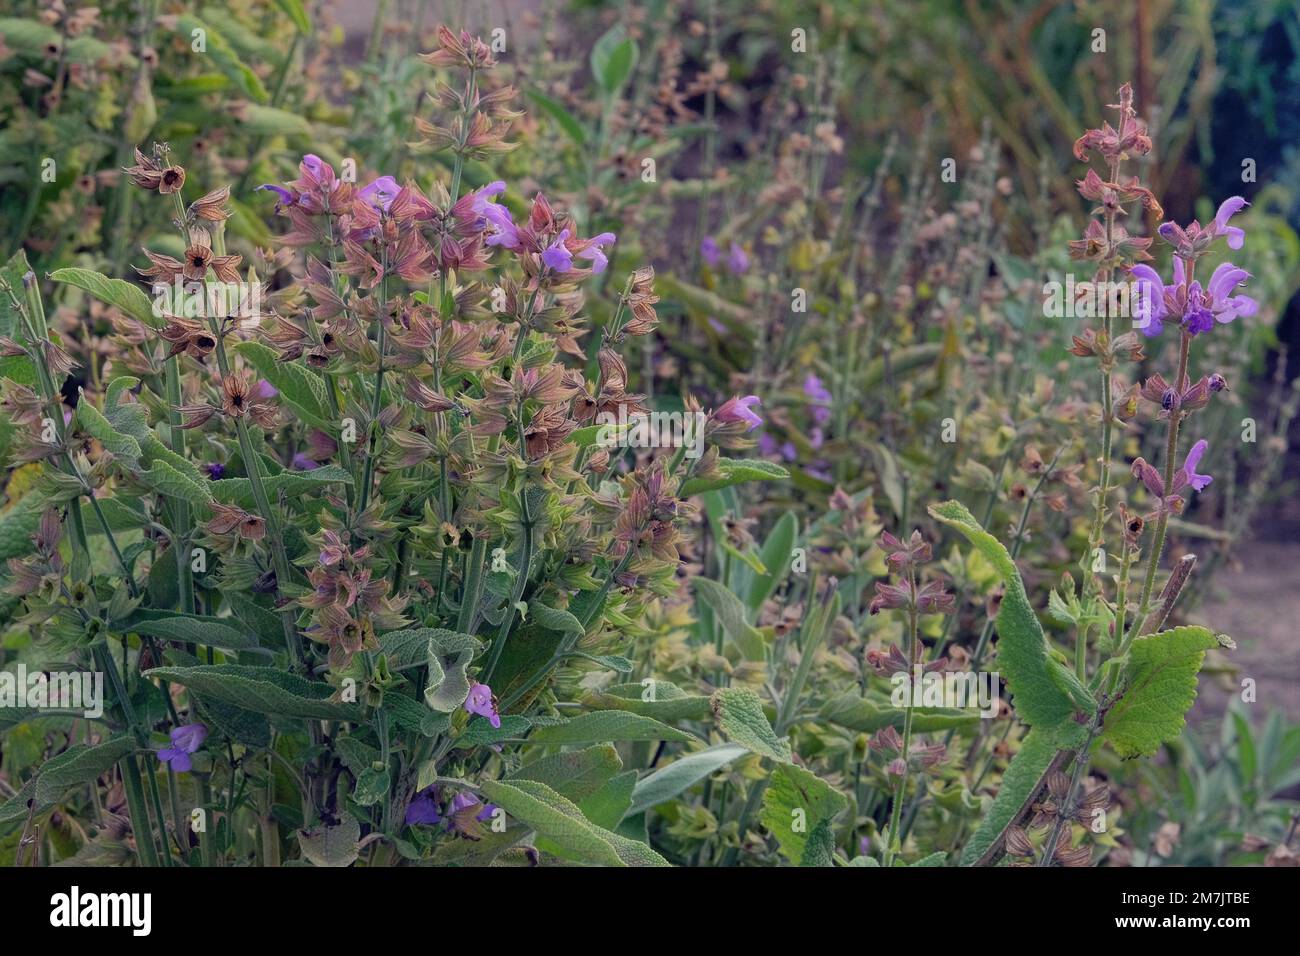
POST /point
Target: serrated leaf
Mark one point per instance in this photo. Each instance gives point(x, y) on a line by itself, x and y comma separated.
point(77, 766)
point(266, 690)
point(563, 825)
point(740, 717)
point(299, 388)
point(128, 297)
point(607, 725)
point(1045, 693)
point(208, 631)
point(1018, 783)
point(795, 805)
point(574, 774)
point(291, 484)
point(90, 420)
point(173, 483)
point(682, 774)
point(1159, 688)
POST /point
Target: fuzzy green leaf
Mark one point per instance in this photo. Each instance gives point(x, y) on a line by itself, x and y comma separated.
point(1045, 693)
point(300, 389)
point(266, 690)
point(659, 699)
point(239, 491)
point(795, 804)
point(561, 822)
point(1018, 784)
point(607, 725)
point(741, 719)
point(1160, 686)
point(118, 292)
point(574, 774)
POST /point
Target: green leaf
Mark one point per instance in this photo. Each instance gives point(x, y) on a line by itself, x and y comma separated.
point(411, 714)
point(90, 420)
point(609, 805)
point(613, 662)
point(554, 619)
point(118, 292)
point(613, 58)
point(77, 766)
point(449, 656)
point(564, 826)
point(730, 613)
point(741, 719)
point(734, 471)
point(293, 9)
point(1159, 688)
point(1019, 782)
point(567, 122)
point(1045, 692)
point(292, 484)
point(263, 622)
point(300, 389)
point(867, 716)
point(265, 690)
point(607, 725)
point(682, 774)
point(574, 774)
point(173, 483)
point(480, 852)
point(795, 804)
point(411, 646)
point(776, 555)
point(192, 629)
point(334, 845)
point(223, 56)
point(480, 732)
point(18, 524)
point(659, 699)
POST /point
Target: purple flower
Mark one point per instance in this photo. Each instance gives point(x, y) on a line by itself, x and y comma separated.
point(789, 452)
point(1187, 474)
point(766, 445)
point(737, 261)
point(557, 256)
point(709, 251)
point(496, 221)
point(1196, 307)
point(1227, 209)
point(1223, 303)
point(303, 462)
point(264, 390)
point(424, 808)
point(480, 702)
point(286, 197)
point(595, 253)
point(185, 740)
point(1149, 305)
point(216, 470)
point(381, 192)
point(816, 437)
point(313, 164)
point(815, 389)
point(735, 410)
